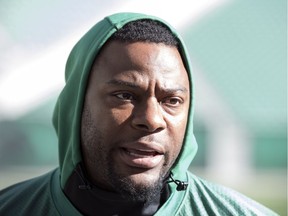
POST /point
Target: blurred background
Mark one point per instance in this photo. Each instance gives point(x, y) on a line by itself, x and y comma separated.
point(239, 54)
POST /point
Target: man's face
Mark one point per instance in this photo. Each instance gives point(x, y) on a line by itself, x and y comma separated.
point(134, 116)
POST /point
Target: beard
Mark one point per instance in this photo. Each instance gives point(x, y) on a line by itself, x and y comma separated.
point(132, 191)
point(101, 168)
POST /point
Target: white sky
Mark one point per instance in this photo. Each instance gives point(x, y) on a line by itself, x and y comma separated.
point(27, 81)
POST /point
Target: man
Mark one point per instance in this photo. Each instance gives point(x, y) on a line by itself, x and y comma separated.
point(124, 124)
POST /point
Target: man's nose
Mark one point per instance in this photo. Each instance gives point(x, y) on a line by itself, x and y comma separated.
point(148, 116)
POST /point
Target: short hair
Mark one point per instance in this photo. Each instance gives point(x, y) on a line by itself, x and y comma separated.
point(145, 30)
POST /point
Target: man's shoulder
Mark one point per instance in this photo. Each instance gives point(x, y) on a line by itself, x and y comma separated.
point(28, 197)
point(213, 199)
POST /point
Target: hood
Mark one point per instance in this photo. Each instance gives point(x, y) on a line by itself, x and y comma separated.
point(68, 109)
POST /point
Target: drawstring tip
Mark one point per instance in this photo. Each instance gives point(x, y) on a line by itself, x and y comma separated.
point(181, 185)
point(84, 187)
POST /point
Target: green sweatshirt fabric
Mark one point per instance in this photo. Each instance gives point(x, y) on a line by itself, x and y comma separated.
point(44, 195)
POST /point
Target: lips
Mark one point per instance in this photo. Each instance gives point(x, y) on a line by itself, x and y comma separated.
point(141, 153)
point(141, 156)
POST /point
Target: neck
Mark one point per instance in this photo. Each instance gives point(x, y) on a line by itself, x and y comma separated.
point(89, 199)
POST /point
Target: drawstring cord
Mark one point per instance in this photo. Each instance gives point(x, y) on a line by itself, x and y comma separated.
point(85, 185)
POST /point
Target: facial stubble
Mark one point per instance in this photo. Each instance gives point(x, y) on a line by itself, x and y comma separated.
point(96, 155)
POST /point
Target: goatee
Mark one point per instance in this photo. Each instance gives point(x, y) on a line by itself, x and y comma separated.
point(129, 190)
point(133, 191)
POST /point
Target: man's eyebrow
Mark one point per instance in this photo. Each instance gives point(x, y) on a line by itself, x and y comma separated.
point(122, 83)
point(177, 89)
point(117, 82)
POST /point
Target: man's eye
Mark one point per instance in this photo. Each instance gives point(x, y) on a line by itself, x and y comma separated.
point(124, 96)
point(173, 101)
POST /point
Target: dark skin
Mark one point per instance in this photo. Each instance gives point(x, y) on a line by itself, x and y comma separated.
point(135, 113)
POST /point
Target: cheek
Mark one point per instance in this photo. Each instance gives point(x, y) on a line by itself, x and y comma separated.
point(109, 117)
point(177, 128)
point(120, 116)
point(177, 125)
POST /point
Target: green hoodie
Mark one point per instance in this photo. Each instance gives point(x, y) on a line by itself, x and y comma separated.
point(44, 195)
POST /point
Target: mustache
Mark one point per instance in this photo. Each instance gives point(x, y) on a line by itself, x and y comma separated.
point(145, 139)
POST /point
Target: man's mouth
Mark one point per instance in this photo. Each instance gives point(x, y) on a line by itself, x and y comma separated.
point(141, 158)
point(141, 153)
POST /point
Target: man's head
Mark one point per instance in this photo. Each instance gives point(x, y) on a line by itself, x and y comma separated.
point(135, 111)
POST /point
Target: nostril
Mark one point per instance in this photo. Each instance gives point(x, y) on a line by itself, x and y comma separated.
point(147, 128)
point(142, 126)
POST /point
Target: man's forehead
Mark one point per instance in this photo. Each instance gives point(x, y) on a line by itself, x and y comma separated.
point(111, 45)
point(164, 66)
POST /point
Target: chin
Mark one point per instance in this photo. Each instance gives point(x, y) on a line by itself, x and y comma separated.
point(139, 187)
point(140, 191)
